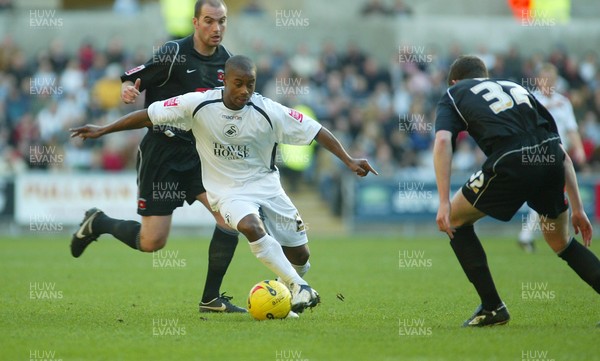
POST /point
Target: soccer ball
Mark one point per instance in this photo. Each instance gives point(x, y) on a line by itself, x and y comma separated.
point(269, 300)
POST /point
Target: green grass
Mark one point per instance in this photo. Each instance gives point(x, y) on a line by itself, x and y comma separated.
point(104, 305)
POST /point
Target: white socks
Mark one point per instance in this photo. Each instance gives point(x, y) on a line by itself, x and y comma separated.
point(301, 270)
point(269, 252)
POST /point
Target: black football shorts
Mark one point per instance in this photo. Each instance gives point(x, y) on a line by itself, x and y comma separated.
point(168, 173)
point(531, 173)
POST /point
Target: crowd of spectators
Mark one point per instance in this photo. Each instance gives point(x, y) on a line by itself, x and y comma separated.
point(381, 110)
point(380, 7)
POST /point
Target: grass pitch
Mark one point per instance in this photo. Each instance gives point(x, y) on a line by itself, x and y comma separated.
point(403, 299)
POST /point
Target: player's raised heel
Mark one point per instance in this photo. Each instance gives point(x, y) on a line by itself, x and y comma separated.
point(84, 235)
point(221, 304)
point(303, 296)
point(482, 318)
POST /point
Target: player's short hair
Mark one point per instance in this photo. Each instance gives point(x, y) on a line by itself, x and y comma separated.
point(467, 67)
point(213, 3)
point(240, 62)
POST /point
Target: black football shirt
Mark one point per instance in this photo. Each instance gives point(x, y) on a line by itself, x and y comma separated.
point(493, 111)
point(177, 68)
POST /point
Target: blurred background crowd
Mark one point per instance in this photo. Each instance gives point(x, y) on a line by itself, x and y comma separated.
point(381, 110)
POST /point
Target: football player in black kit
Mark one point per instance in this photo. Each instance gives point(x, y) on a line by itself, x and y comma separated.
point(525, 163)
point(167, 157)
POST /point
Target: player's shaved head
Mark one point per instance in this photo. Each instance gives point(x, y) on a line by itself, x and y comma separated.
point(241, 63)
point(467, 67)
point(212, 3)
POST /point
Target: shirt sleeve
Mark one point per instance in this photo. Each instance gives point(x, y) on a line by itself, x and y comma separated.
point(157, 70)
point(447, 117)
point(290, 125)
point(175, 112)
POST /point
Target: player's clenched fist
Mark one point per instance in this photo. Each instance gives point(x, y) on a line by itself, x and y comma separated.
point(130, 92)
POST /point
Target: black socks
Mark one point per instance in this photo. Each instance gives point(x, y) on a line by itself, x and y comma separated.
point(472, 258)
point(583, 262)
point(127, 232)
point(220, 252)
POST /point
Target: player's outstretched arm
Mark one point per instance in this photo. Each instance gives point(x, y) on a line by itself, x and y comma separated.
point(580, 221)
point(359, 166)
point(133, 120)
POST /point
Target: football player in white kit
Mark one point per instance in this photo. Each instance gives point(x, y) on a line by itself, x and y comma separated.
point(237, 132)
point(561, 110)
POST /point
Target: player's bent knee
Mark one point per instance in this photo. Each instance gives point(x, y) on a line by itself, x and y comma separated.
point(252, 228)
point(302, 258)
point(297, 255)
point(152, 244)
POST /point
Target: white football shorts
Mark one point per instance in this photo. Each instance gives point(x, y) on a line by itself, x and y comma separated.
point(279, 215)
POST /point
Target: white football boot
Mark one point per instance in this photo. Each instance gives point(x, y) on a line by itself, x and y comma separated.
point(303, 296)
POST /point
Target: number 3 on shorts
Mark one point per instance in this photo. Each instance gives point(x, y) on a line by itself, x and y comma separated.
point(475, 182)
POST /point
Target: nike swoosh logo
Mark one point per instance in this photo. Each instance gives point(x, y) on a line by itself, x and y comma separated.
point(190, 70)
point(220, 308)
point(83, 226)
point(476, 320)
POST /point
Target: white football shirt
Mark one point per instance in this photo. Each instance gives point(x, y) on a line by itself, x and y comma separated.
point(561, 110)
point(237, 147)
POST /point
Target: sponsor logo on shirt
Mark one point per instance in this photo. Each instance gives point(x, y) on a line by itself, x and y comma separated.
point(231, 117)
point(231, 151)
point(220, 75)
point(135, 70)
point(141, 204)
point(296, 115)
point(231, 130)
point(172, 102)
